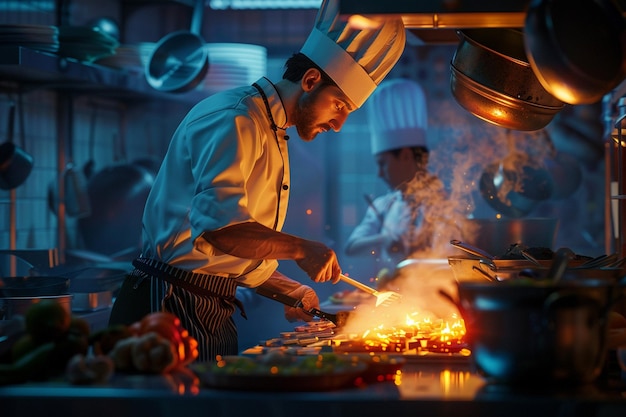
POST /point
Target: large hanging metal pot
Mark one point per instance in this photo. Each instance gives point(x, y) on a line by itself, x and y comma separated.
point(492, 79)
point(179, 62)
point(576, 48)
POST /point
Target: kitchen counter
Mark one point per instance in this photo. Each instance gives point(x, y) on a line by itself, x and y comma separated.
point(426, 387)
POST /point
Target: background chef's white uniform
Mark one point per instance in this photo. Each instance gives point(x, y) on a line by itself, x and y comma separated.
point(398, 118)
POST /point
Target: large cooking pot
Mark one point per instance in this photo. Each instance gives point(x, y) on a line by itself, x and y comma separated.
point(576, 48)
point(496, 236)
point(540, 333)
point(492, 79)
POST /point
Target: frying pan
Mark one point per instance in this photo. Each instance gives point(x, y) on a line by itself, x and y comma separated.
point(179, 62)
point(576, 48)
point(15, 163)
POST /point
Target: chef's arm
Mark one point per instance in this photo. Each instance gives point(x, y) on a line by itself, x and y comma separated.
point(252, 240)
point(280, 283)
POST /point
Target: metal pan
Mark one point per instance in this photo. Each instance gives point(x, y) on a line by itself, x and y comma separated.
point(179, 62)
point(33, 286)
point(577, 49)
point(492, 79)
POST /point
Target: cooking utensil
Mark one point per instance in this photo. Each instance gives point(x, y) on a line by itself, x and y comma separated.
point(179, 62)
point(531, 258)
point(492, 79)
point(577, 49)
point(559, 264)
point(384, 298)
point(339, 319)
point(538, 332)
point(33, 286)
point(472, 250)
point(15, 163)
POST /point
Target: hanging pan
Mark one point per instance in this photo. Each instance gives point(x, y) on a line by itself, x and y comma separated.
point(180, 61)
point(15, 163)
point(576, 48)
point(492, 79)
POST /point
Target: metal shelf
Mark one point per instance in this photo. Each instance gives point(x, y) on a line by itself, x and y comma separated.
point(36, 69)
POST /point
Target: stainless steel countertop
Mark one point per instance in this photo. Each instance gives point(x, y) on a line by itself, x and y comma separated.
point(426, 388)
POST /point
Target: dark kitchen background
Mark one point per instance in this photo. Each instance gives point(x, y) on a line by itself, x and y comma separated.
point(104, 126)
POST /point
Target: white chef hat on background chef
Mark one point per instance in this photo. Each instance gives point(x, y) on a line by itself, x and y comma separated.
point(357, 59)
point(397, 115)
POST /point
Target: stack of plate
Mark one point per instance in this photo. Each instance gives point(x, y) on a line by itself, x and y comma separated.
point(233, 65)
point(40, 37)
point(85, 43)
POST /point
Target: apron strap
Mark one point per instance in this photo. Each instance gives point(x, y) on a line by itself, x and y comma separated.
point(219, 287)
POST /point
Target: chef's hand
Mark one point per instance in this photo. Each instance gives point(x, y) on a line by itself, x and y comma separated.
point(309, 300)
point(319, 262)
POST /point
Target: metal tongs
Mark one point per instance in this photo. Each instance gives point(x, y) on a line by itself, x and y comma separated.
point(338, 319)
point(384, 298)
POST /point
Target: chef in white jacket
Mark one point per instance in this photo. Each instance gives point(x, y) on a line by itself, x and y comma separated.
point(213, 220)
point(396, 224)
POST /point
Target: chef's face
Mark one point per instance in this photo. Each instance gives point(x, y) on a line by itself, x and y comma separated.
point(396, 170)
point(321, 109)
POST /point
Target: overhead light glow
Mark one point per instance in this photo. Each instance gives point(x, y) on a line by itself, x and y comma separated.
point(264, 4)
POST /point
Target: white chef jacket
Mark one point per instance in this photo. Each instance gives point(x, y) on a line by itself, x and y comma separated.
point(224, 166)
point(393, 213)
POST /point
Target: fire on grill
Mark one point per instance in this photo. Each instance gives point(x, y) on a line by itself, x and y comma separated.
point(422, 323)
point(414, 335)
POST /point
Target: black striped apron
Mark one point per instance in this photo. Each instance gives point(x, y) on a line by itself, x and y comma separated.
point(204, 303)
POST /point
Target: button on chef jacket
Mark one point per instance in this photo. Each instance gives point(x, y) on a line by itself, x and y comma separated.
point(224, 166)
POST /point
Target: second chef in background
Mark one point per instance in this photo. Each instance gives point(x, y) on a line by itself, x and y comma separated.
point(398, 223)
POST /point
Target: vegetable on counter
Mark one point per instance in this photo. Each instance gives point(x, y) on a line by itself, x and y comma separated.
point(55, 344)
point(51, 338)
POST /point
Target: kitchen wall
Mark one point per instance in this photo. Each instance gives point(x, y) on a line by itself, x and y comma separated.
point(331, 174)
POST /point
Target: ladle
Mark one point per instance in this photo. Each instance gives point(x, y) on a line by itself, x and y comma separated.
point(559, 264)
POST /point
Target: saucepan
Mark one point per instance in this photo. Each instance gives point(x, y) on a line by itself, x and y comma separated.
point(536, 332)
point(179, 61)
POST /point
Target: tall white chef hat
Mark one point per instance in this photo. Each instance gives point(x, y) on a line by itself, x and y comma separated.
point(397, 115)
point(357, 59)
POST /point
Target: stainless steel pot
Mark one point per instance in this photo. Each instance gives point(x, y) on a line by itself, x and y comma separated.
point(539, 333)
point(492, 79)
point(495, 236)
